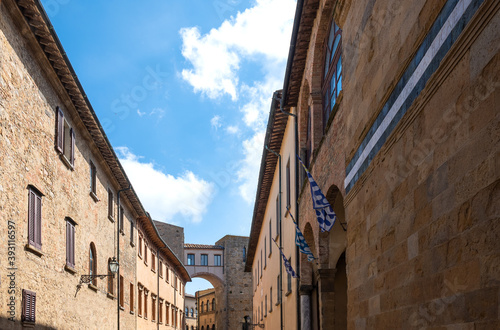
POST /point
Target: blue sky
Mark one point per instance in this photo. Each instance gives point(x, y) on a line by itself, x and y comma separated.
point(183, 90)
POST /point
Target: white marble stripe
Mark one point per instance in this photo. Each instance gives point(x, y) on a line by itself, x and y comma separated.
point(447, 27)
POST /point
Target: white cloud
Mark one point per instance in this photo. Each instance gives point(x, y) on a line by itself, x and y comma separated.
point(248, 173)
point(216, 122)
point(165, 197)
point(263, 30)
point(159, 112)
point(232, 129)
point(140, 113)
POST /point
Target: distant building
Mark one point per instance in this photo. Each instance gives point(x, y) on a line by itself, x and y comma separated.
point(207, 309)
point(191, 312)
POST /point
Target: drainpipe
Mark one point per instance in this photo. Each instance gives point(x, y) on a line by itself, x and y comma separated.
point(280, 292)
point(157, 288)
point(118, 255)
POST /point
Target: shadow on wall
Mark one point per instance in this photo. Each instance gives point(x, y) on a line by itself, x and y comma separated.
point(5, 323)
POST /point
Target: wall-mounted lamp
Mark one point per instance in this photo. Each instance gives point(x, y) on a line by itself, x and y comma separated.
point(85, 279)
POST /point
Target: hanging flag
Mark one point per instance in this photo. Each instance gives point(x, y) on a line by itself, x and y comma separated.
point(324, 211)
point(288, 267)
point(300, 240)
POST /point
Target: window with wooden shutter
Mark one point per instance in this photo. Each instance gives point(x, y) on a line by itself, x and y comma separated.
point(35, 218)
point(60, 130)
point(93, 263)
point(29, 306)
point(132, 297)
point(139, 299)
point(93, 181)
point(132, 236)
point(121, 220)
point(121, 293)
point(288, 190)
point(111, 283)
point(70, 243)
point(111, 205)
point(65, 139)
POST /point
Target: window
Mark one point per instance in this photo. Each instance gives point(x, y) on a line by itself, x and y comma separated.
point(153, 307)
point(279, 290)
point(140, 246)
point(132, 232)
point(244, 254)
point(160, 268)
point(70, 243)
point(270, 238)
point(145, 253)
point(120, 222)
point(167, 313)
point(217, 260)
point(93, 181)
point(265, 252)
point(204, 259)
point(270, 299)
point(121, 293)
point(110, 280)
point(93, 263)
point(201, 307)
point(35, 218)
point(145, 303)
point(288, 190)
point(110, 205)
point(192, 312)
point(160, 311)
point(174, 320)
point(261, 264)
point(29, 306)
point(261, 310)
point(213, 304)
point(139, 299)
point(332, 74)
point(289, 280)
point(153, 261)
point(190, 260)
point(167, 274)
point(265, 306)
point(65, 139)
point(131, 298)
point(278, 216)
point(208, 305)
point(308, 140)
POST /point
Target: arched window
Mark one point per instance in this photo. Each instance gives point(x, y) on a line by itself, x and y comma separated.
point(93, 262)
point(201, 327)
point(213, 304)
point(192, 312)
point(201, 307)
point(332, 76)
point(213, 326)
point(244, 254)
point(208, 305)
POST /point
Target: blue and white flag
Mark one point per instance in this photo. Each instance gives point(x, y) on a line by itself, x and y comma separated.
point(300, 240)
point(324, 211)
point(288, 267)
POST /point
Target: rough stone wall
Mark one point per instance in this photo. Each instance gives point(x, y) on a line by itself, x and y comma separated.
point(423, 235)
point(173, 236)
point(238, 286)
point(29, 94)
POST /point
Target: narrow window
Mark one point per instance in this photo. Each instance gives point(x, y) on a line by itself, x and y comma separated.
point(208, 305)
point(261, 264)
point(167, 274)
point(65, 139)
point(289, 280)
point(308, 140)
point(278, 216)
point(132, 236)
point(204, 259)
point(279, 289)
point(132, 297)
point(145, 253)
point(35, 218)
point(70, 243)
point(201, 307)
point(111, 283)
point(288, 196)
point(244, 254)
point(270, 238)
point(332, 74)
point(173, 317)
point(265, 252)
point(121, 293)
point(110, 205)
point(153, 307)
point(93, 181)
point(139, 300)
point(270, 299)
point(265, 306)
point(167, 313)
point(190, 260)
point(93, 262)
point(160, 268)
point(213, 304)
point(145, 303)
point(140, 246)
point(160, 311)
point(153, 261)
point(217, 260)
point(29, 306)
point(121, 220)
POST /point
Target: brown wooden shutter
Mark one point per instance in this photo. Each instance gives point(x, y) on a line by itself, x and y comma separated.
point(68, 248)
point(31, 218)
point(60, 131)
point(29, 306)
point(72, 245)
point(72, 157)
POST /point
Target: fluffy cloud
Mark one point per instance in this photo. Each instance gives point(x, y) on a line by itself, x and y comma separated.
point(165, 197)
point(260, 32)
point(216, 122)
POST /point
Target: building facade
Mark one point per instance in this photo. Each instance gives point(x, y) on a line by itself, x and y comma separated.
point(207, 313)
point(275, 290)
point(398, 116)
point(191, 312)
point(70, 209)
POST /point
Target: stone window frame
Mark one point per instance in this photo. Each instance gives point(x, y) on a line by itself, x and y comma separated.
point(34, 220)
point(65, 140)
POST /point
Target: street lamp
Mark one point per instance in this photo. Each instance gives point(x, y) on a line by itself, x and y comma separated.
point(247, 325)
point(85, 279)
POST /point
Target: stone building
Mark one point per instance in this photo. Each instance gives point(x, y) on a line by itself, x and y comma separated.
point(70, 209)
point(275, 291)
point(191, 312)
point(172, 234)
point(206, 315)
point(222, 265)
point(397, 107)
point(161, 280)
